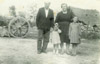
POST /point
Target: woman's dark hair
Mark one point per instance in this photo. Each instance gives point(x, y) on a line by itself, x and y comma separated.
point(63, 4)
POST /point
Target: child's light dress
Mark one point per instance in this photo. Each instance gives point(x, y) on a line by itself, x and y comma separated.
point(55, 38)
point(74, 32)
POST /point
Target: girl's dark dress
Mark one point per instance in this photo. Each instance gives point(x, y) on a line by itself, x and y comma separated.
point(64, 20)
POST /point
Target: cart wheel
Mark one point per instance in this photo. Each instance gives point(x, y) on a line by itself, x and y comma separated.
point(18, 27)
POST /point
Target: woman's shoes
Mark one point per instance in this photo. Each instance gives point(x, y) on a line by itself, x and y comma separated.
point(38, 52)
point(68, 53)
point(73, 53)
point(61, 51)
point(57, 52)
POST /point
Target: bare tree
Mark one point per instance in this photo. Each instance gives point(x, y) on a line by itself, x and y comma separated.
point(33, 11)
point(32, 14)
point(12, 11)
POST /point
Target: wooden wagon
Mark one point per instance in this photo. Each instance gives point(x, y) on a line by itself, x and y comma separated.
point(16, 26)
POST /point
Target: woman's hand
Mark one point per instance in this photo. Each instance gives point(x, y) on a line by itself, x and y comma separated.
point(59, 31)
point(51, 29)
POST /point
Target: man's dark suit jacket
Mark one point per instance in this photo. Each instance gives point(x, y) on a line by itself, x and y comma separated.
point(44, 22)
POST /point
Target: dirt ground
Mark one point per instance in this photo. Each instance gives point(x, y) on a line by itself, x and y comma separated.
point(24, 51)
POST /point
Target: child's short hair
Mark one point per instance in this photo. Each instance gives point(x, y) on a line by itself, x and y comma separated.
point(77, 19)
point(56, 23)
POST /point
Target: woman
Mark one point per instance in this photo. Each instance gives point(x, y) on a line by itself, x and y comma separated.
point(64, 19)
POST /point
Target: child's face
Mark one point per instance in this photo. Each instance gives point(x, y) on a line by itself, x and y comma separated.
point(56, 27)
point(75, 19)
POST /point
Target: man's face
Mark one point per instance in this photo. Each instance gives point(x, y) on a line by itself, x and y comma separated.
point(47, 4)
point(64, 7)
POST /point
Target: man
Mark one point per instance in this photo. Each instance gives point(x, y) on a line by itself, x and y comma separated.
point(44, 22)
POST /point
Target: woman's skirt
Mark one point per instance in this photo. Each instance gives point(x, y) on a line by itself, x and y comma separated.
point(64, 27)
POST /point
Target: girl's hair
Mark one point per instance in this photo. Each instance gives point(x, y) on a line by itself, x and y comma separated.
point(77, 19)
point(55, 24)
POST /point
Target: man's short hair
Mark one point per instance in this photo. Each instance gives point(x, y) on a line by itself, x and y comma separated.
point(63, 4)
point(47, 1)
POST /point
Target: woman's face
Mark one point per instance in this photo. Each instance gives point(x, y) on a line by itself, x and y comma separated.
point(75, 19)
point(64, 7)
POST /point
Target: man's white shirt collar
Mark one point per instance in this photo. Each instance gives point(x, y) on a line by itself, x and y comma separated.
point(46, 12)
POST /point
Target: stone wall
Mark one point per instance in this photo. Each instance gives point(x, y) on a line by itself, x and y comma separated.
point(90, 17)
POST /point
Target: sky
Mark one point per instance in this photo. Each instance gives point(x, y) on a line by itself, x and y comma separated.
point(23, 5)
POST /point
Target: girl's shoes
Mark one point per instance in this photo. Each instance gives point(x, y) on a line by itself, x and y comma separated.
point(57, 51)
point(53, 51)
point(61, 52)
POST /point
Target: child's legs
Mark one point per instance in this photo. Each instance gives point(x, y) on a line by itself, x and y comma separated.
point(62, 46)
point(74, 48)
point(54, 46)
point(58, 45)
point(67, 47)
point(57, 48)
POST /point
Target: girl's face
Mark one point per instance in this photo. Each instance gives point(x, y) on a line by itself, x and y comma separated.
point(56, 27)
point(56, 24)
point(75, 19)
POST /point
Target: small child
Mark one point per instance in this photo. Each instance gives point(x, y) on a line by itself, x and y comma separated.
point(74, 35)
point(55, 38)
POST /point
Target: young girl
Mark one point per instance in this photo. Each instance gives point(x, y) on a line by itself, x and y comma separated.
point(55, 38)
point(74, 34)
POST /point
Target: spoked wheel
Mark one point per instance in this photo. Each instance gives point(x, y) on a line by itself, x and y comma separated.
point(18, 27)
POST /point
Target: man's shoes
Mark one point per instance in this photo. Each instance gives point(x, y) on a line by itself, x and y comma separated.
point(44, 51)
point(39, 52)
